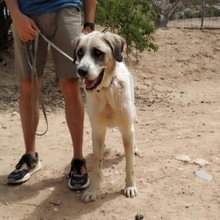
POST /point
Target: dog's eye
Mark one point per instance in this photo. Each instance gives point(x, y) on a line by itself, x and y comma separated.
point(80, 52)
point(97, 52)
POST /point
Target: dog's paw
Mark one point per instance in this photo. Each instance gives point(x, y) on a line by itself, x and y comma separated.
point(130, 192)
point(89, 195)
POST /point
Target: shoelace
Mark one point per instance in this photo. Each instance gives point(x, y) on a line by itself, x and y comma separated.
point(77, 170)
point(23, 160)
point(77, 167)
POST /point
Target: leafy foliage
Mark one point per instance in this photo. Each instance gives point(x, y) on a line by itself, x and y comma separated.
point(208, 12)
point(195, 9)
point(131, 19)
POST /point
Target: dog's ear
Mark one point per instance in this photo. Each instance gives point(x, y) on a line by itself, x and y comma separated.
point(116, 43)
point(75, 44)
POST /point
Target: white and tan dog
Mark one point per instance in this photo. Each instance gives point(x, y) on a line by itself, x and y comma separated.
point(110, 101)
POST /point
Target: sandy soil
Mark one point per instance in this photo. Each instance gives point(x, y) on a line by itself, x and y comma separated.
point(178, 104)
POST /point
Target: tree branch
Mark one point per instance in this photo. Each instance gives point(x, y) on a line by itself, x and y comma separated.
point(173, 8)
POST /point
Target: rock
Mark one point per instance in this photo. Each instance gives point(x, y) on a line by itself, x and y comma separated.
point(14, 113)
point(117, 153)
point(183, 158)
point(57, 203)
point(139, 217)
point(51, 188)
point(204, 175)
point(201, 162)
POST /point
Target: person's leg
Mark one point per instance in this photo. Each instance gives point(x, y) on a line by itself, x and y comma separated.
point(25, 107)
point(74, 110)
point(68, 21)
point(29, 162)
point(75, 117)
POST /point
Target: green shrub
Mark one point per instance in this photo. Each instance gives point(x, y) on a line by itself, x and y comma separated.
point(211, 12)
point(188, 14)
point(132, 20)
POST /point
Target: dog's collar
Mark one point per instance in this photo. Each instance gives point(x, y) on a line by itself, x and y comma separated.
point(112, 80)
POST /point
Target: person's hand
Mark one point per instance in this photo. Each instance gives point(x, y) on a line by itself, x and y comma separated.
point(25, 27)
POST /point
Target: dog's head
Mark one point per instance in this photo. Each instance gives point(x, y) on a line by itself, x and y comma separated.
point(97, 54)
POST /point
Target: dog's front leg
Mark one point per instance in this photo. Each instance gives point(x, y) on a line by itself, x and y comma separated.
point(98, 138)
point(128, 137)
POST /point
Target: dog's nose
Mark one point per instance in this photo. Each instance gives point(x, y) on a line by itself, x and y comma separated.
point(83, 70)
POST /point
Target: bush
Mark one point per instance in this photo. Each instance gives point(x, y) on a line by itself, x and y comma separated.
point(131, 19)
point(210, 12)
point(189, 14)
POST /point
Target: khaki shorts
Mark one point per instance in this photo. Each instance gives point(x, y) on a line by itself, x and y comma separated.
point(60, 27)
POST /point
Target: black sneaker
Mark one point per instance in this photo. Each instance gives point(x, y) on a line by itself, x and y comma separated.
point(27, 166)
point(78, 176)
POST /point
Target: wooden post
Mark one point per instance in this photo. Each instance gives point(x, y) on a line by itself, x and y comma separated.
point(202, 18)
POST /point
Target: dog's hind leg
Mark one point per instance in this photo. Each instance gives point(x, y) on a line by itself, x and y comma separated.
point(128, 137)
point(98, 138)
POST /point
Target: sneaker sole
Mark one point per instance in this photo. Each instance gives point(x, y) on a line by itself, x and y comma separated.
point(78, 186)
point(27, 176)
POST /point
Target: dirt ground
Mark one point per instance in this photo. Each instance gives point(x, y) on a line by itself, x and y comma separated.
point(178, 104)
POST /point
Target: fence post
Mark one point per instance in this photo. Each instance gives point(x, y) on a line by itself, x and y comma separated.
point(202, 18)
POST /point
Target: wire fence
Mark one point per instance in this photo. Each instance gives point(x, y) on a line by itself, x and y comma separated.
point(208, 10)
point(195, 23)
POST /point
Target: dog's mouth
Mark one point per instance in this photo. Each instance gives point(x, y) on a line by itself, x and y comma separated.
point(92, 84)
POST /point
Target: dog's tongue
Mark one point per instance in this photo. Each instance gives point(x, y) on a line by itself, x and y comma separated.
point(91, 83)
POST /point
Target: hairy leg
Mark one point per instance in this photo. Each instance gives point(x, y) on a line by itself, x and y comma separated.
point(74, 113)
point(128, 137)
point(26, 112)
point(98, 139)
